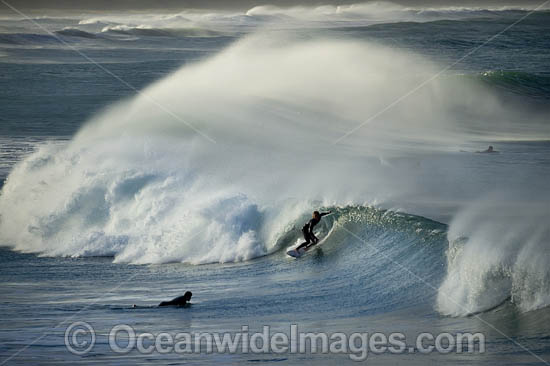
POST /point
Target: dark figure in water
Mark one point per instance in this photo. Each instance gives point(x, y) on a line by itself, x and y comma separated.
point(307, 230)
point(178, 301)
point(489, 150)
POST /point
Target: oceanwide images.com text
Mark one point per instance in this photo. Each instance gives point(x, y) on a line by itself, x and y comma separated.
point(80, 339)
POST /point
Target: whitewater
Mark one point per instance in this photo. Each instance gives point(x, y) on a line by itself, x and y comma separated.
point(210, 170)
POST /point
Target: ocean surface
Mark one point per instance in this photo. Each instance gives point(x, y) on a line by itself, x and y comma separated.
point(145, 155)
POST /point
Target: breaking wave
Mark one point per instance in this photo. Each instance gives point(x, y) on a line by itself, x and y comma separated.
point(223, 160)
point(498, 251)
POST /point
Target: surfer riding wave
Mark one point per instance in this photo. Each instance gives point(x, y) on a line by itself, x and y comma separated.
point(307, 230)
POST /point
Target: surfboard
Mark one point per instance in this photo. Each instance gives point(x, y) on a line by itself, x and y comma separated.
point(298, 253)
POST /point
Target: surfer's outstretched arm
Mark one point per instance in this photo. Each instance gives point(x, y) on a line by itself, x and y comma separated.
point(326, 213)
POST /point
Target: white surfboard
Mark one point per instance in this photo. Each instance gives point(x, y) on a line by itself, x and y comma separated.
point(298, 253)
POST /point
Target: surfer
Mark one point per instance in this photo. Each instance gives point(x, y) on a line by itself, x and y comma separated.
point(488, 151)
point(307, 230)
point(179, 301)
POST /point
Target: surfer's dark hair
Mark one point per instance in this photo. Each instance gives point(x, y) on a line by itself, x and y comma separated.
point(188, 294)
point(316, 213)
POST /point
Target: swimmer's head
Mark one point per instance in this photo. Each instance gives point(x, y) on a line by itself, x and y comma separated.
point(316, 214)
point(188, 295)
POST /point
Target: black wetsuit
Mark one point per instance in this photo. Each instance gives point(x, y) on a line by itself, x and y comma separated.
point(307, 230)
point(178, 301)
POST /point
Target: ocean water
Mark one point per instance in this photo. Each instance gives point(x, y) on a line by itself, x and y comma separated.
point(145, 155)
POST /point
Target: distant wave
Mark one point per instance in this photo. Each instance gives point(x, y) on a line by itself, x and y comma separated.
point(378, 11)
point(159, 32)
point(70, 34)
point(22, 39)
point(27, 39)
point(319, 16)
point(74, 32)
point(212, 23)
point(94, 22)
point(466, 12)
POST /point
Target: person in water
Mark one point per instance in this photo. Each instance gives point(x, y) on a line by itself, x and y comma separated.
point(488, 151)
point(178, 301)
point(307, 230)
